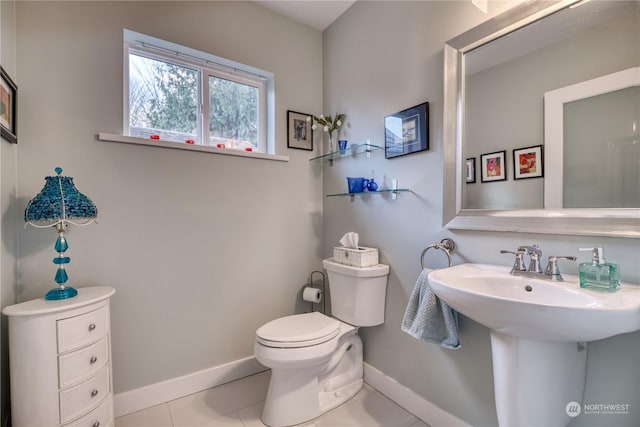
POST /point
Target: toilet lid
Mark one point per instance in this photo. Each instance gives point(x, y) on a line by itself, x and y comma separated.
point(298, 330)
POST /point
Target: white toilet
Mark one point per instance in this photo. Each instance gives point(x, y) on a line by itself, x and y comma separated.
point(316, 360)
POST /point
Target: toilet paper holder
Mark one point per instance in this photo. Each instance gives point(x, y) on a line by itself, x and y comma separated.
point(321, 286)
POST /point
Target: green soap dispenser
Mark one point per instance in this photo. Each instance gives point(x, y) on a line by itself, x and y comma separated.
point(599, 274)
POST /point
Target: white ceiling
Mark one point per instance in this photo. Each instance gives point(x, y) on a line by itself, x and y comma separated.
point(315, 13)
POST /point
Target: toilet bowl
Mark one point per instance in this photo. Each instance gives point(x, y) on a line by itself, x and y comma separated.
point(316, 360)
point(317, 370)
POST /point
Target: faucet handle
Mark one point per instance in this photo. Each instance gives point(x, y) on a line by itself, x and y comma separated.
point(552, 271)
point(518, 264)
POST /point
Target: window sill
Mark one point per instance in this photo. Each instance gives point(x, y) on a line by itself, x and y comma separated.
point(180, 146)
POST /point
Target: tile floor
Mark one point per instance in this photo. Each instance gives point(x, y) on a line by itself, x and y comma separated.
point(239, 404)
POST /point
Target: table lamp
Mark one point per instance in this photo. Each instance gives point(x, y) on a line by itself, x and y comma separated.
point(58, 204)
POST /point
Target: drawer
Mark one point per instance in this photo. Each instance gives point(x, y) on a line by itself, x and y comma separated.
point(84, 397)
point(81, 364)
point(102, 416)
point(78, 331)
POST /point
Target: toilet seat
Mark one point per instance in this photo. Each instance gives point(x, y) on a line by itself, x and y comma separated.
point(298, 330)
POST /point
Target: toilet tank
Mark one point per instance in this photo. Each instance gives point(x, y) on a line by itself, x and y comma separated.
point(357, 294)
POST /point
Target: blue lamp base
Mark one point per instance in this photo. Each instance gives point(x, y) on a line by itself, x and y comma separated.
point(60, 293)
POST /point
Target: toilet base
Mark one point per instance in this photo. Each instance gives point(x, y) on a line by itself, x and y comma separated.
point(295, 397)
point(331, 400)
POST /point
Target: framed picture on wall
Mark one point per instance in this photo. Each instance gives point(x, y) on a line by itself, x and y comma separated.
point(527, 162)
point(470, 171)
point(300, 132)
point(8, 107)
point(493, 167)
point(407, 131)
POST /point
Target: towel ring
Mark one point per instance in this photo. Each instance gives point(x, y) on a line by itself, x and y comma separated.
point(445, 245)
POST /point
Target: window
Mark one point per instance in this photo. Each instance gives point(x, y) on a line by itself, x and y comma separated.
point(233, 111)
point(163, 99)
point(174, 93)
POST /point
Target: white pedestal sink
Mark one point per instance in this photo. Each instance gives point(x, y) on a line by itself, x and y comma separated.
point(539, 331)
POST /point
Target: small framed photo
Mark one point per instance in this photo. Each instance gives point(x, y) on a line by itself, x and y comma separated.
point(494, 167)
point(470, 171)
point(8, 107)
point(407, 131)
point(527, 162)
point(300, 132)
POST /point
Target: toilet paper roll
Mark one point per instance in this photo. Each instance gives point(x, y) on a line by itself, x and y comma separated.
point(312, 295)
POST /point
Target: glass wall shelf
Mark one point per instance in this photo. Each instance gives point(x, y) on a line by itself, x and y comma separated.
point(394, 193)
point(353, 150)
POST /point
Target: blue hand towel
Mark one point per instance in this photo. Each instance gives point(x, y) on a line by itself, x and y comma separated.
point(428, 318)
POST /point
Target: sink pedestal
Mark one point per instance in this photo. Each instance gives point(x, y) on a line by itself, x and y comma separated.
point(535, 380)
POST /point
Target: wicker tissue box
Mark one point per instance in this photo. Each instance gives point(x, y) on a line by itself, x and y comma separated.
point(361, 257)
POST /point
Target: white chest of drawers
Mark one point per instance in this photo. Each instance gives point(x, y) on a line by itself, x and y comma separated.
point(60, 361)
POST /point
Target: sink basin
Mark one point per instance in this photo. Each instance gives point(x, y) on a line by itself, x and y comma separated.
point(538, 330)
point(532, 308)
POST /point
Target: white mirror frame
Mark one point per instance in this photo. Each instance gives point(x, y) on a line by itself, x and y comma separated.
point(583, 222)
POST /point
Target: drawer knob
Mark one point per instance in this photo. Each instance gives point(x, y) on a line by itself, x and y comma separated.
point(93, 360)
point(94, 393)
point(92, 327)
point(96, 424)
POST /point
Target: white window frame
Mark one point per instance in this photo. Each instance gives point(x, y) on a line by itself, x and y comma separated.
point(207, 65)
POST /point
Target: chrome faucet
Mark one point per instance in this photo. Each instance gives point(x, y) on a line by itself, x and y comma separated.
point(552, 272)
point(534, 254)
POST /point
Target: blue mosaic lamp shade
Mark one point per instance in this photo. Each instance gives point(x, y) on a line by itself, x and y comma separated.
point(58, 204)
point(58, 201)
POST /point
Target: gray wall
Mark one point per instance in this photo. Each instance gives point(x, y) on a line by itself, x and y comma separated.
point(8, 233)
point(195, 275)
point(202, 249)
point(383, 57)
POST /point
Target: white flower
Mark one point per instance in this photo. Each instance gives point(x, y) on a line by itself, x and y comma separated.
point(313, 127)
point(330, 124)
point(309, 118)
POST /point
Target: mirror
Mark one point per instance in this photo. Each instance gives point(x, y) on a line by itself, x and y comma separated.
point(595, 151)
point(492, 113)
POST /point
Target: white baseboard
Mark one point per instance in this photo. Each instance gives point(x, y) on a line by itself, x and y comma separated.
point(409, 400)
point(175, 388)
